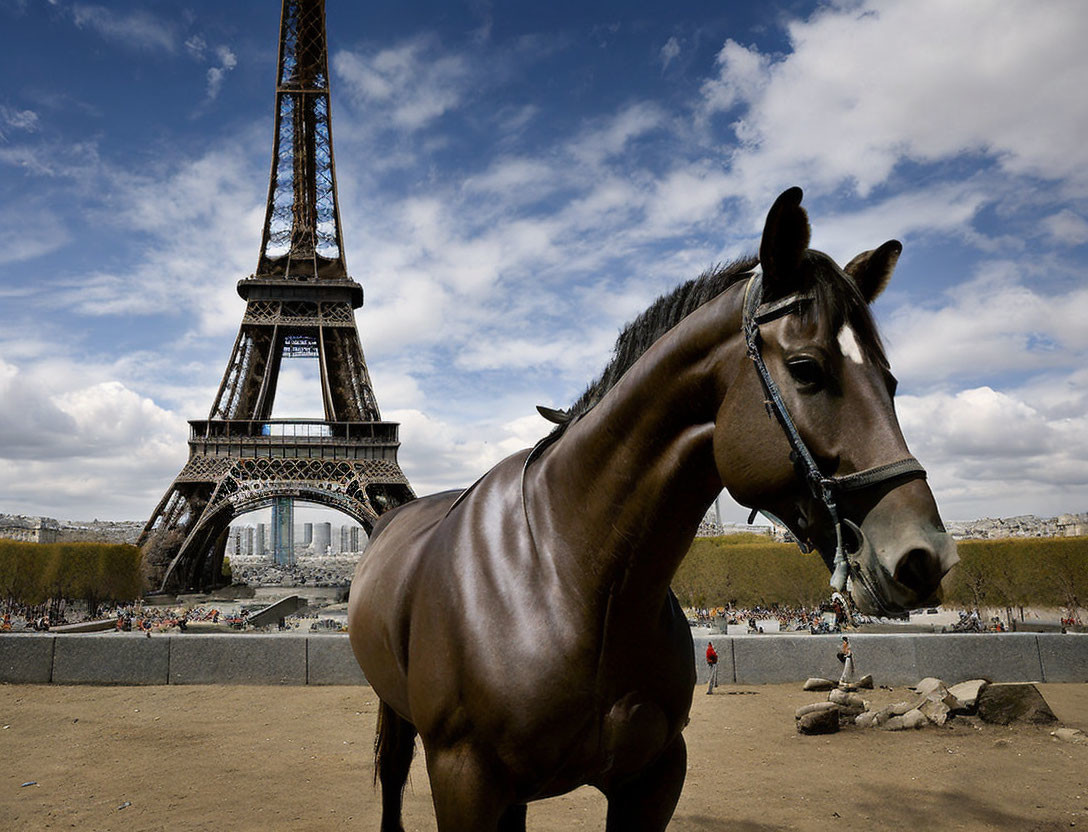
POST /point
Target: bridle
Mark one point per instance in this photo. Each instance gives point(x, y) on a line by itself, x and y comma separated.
point(826, 490)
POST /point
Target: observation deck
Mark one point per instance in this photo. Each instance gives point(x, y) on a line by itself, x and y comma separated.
point(293, 439)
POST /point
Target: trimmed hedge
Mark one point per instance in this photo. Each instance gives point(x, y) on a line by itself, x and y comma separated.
point(749, 570)
point(1020, 572)
point(746, 570)
point(36, 574)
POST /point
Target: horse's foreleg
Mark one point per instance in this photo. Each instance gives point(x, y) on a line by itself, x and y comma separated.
point(468, 794)
point(394, 747)
point(645, 803)
point(513, 819)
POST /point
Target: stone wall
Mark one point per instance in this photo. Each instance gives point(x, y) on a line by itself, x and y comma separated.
point(244, 658)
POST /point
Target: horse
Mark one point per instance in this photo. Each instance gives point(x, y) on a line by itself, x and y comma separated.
point(524, 628)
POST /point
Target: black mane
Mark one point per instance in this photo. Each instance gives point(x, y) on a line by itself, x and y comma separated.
point(661, 316)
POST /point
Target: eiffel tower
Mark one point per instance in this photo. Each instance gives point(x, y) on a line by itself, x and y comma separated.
point(300, 302)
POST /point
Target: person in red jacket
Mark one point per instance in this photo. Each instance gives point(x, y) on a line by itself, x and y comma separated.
point(712, 661)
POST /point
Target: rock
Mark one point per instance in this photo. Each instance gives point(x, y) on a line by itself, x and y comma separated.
point(900, 708)
point(939, 706)
point(816, 683)
point(815, 708)
point(893, 724)
point(1020, 702)
point(967, 693)
point(866, 682)
point(935, 711)
point(883, 715)
point(865, 720)
point(914, 719)
point(819, 722)
point(1069, 735)
point(928, 685)
point(849, 700)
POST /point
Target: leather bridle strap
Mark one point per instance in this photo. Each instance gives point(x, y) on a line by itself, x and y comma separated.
point(824, 489)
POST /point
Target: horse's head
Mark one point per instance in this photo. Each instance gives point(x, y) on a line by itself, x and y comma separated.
point(812, 330)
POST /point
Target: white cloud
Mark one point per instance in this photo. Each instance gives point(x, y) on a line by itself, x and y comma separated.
point(990, 326)
point(1067, 228)
point(22, 120)
point(616, 132)
point(29, 232)
point(941, 209)
point(216, 74)
point(407, 81)
point(868, 85)
point(669, 52)
point(138, 29)
point(992, 453)
point(742, 76)
point(196, 46)
point(445, 455)
point(84, 448)
point(203, 219)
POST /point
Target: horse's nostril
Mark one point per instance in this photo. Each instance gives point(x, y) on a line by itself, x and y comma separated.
point(919, 570)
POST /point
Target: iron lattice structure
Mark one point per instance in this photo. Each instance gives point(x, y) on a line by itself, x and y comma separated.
point(300, 302)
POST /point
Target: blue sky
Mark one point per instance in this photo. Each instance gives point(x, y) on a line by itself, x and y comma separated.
point(517, 181)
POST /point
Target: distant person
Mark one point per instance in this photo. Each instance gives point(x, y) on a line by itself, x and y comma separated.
point(847, 659)
point(712, 662)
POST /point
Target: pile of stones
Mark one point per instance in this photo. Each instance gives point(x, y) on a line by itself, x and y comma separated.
point(932, 703)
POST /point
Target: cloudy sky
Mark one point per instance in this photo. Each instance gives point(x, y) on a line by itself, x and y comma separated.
point(517, 181)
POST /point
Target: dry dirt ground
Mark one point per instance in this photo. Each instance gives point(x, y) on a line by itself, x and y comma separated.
point(299, 758)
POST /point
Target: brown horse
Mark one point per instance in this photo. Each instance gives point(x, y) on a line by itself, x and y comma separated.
point(525, 627)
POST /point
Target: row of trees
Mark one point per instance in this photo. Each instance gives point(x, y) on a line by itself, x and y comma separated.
point(1021, 572)
point(45, 575)
point(747, 570)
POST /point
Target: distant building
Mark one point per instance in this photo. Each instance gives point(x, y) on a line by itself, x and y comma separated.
point(29, 529)
point(322, 538)
point(1073, 525)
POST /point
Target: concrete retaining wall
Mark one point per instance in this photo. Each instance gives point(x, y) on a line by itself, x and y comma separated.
point(192, 659)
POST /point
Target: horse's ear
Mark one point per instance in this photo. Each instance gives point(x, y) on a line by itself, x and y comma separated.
point(871, 270)
point(556, 417)
point(785, 240)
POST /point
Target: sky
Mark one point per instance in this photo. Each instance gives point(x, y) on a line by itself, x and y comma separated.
point(517, 181)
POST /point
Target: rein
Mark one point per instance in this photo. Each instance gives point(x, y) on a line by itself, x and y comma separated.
point(825, 489)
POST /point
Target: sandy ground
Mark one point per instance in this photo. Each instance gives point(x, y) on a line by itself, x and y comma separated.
point(265, 758)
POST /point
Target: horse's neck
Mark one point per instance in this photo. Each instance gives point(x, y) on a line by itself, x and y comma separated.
point(622, 493)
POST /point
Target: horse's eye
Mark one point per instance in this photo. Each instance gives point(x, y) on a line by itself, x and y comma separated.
point(807, 372)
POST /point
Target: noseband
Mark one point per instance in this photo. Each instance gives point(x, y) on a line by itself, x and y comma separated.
point(825, 489)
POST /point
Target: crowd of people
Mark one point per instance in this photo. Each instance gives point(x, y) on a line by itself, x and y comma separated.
point(129, 618)
point(826, 618)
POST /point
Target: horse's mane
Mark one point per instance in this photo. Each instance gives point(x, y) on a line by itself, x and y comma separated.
point(661, 316)
point(837, 300)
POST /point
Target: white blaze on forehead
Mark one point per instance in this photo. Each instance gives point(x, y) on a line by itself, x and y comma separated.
point(848, 343)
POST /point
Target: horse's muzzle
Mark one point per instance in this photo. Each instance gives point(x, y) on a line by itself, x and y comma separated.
point(901, 575)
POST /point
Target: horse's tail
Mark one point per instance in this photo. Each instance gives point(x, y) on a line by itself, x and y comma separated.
point(394, 747)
